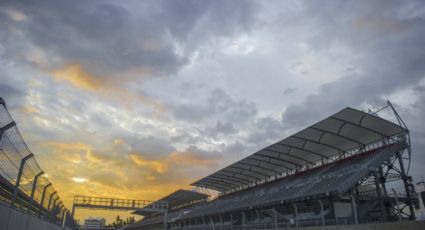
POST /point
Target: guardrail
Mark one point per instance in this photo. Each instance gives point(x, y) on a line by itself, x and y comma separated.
point(23, 184)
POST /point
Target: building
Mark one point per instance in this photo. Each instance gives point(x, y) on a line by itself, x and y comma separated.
point(94, 223)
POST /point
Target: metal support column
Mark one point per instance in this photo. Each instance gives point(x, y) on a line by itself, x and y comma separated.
point(379, 193)
point(258, 217)
point(243, 220)
point(406, 187)
point(354, 209)
point(322, 213)
point(44, 195)
point(397, 205)
point(18, 179)
point(212, 223)
point(221, 221)
point(382, 180)
point(274, 218)
point(295, 215)
point(165, 219)
point(231, 221)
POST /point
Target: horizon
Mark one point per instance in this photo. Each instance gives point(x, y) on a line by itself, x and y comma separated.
point(137, 99)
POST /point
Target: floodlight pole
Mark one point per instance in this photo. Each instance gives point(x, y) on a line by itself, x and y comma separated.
point(18, 179)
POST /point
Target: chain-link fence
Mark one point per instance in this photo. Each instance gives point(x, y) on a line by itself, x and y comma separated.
point(23, 184)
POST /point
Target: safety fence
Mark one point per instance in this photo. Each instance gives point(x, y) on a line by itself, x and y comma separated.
point(24, 186)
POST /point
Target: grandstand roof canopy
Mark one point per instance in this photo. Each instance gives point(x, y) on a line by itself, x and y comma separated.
point(346, 130)
point(181, 197)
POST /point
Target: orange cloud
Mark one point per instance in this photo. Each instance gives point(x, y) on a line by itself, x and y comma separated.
point(158, 166)
point(30, 109)
point(77, 76)
point(188, 158)
point(81, 169)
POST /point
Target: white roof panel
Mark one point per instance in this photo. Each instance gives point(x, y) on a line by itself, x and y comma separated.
point(346, 130)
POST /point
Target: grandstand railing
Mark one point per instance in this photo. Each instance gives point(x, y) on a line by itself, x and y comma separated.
point(286, 225)
point(23, 184)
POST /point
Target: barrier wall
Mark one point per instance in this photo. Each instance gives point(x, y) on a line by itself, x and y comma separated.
point(404, 225)
point(13, 219)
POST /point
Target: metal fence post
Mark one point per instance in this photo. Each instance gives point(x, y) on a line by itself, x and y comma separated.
point(34, 185)
point(18, 179)
point(52, 213)
point(50, 200)
point(63, 218)
point(6, 127)
point(44, 195)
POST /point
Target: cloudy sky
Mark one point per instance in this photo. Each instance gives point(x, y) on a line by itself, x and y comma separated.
point(135, 99)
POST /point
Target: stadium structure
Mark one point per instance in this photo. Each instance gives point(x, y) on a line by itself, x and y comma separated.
point(339, 170)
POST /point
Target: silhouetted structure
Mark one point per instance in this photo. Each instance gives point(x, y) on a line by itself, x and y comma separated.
point(337, 171)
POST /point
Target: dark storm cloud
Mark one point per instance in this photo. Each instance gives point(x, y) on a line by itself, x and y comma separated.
point(109, 39)
point(388, 36)
point(9, 93)
point(218, 104)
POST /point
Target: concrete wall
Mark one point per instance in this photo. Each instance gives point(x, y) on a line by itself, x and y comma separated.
point(404, 225)
point(12, 219)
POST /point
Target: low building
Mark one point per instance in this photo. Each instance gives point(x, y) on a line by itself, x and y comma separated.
point(94, 223)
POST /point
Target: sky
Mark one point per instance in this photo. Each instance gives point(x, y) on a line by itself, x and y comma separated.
point(135, 99)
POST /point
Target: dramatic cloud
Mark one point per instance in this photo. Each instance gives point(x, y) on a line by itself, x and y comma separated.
point(138, 98)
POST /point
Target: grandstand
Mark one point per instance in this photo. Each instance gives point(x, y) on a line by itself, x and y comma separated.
point(336, 171)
